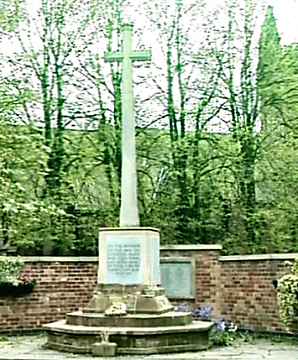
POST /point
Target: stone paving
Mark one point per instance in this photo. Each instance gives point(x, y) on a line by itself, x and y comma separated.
point(32, 348)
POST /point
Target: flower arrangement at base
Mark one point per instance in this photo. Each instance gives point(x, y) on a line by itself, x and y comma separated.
point(287, 295)
point(223, 333)
point(13, 282)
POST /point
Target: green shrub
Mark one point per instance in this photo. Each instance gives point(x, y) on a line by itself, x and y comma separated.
point(10, 269)
point(288, 296)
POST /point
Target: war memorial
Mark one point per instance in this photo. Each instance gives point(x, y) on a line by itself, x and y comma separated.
point(129, 312)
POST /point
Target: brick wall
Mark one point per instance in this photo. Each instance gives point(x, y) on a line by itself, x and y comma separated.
point(247, 295)
point(62, 287)
point(238, 287)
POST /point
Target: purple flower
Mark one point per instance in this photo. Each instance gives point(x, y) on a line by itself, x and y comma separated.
point(203, 313)
point(221, 325)
point(182, 308)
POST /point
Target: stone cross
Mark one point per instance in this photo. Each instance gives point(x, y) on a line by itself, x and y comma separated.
point(129, 214)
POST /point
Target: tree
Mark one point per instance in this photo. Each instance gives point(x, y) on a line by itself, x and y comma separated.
point(243, 108)
point(18, 166)
point(189, 101)
point(57, 31)
point(278, 89)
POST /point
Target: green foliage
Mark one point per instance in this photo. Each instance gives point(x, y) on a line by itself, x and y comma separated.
point(10, 14)
point(10, 269)
point(237, 188)
point(222, 338)
point(288, 296)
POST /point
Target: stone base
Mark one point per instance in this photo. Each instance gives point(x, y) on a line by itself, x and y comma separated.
point(104, 349)
point(130, 340)
point(138, 320)
point(128, 308)
point(138, 299)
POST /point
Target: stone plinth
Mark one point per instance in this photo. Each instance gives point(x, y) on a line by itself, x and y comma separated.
point(128, 307)
point(130, 340)
point(137, 299)
point(129, 256)
point(129, 278)
point(129, 272)
point(171, 318)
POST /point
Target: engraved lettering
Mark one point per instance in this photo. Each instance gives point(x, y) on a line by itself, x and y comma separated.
point(124, 259)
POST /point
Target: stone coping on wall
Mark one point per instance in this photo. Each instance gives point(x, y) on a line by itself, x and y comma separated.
point(95, 258)
point(259, 257)
point(199, 247)
point(60, 258)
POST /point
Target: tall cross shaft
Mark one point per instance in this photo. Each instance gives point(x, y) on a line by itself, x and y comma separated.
point(129, 214)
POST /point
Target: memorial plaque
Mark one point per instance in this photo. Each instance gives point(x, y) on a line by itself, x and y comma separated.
point(124, 260)
point(177, 277)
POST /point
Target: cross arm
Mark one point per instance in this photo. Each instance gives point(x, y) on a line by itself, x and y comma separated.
point(113, 56)
point(135, 56)
point(144, 55)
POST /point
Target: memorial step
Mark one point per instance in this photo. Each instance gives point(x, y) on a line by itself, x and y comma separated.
point(130, 320)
